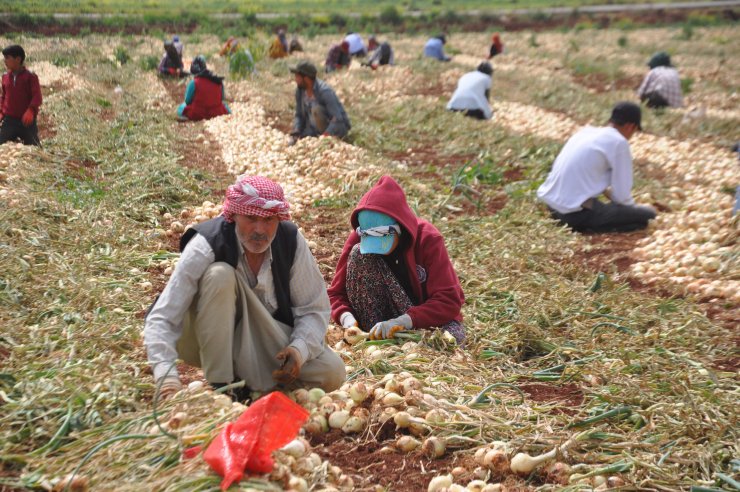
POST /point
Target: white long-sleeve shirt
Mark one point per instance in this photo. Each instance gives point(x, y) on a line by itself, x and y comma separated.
point(311, 309)
point(592, 160)
point(471, 93)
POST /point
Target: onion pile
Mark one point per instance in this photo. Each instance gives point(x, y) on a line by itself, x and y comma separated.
point(50, 75)
point(304, 170)
point(296, 465)
point(12, 155)
point(694, 246)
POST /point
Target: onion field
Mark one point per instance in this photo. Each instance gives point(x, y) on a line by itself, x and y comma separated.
point(593, 362)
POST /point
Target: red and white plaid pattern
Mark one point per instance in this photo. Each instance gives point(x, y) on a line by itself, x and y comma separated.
point(255, 195)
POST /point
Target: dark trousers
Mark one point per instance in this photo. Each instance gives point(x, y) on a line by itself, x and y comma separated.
point(13, 129)
point(607, 217)
point(472, 113)
point(655, 100)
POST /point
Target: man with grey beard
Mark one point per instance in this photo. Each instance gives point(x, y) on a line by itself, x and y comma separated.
point(246, 301)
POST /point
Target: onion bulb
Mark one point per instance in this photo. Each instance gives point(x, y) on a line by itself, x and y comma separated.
point(524, 464)
point(338, 419)
point(407, 444)
point(440, 483)
point(433, 447)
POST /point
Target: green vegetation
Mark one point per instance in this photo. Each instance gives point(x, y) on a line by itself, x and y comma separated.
point(389, 8)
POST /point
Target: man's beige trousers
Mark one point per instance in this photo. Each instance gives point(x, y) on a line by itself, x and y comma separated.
point(231, 335)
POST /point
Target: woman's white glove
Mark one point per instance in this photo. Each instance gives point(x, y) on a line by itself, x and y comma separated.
point(347, 320)
point(387, 329)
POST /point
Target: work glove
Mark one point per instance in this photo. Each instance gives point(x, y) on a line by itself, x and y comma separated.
point(347, 320)
point(388, 329)
point(27, 118)
point(168, 388)
point(291, 367)
point(292, 140)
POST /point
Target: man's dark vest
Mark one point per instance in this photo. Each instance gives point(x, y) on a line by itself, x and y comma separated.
point(221, 235)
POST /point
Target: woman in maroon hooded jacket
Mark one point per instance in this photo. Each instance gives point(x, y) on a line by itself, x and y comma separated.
point(394, 272)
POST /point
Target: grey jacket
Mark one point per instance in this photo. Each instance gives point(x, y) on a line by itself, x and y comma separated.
point(333, 111)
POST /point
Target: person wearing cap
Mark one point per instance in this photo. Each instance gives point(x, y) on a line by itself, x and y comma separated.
point(317, 108)
point(434, 48)
point(337, 58)
point(204, 95)
point(595, 161)
point(279, 46)
point(472, 93)
point(497, 47)
point(246, 302)
point(355, 44)
point(394, 272)
point(380, 54)
point(661, 86)
point(20, 99)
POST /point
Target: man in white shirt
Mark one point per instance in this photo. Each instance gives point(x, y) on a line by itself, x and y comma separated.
point(245, 302)
point(356, 45)
point(472, 93)
point(595, 161)
point(661, 87)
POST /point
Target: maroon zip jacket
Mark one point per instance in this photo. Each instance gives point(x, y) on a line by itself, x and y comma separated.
point(440, 293)
point(20, 92)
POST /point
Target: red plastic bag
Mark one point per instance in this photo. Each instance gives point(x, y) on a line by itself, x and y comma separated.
point(247, 444)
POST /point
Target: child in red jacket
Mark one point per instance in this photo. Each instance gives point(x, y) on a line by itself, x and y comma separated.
point(20, 99)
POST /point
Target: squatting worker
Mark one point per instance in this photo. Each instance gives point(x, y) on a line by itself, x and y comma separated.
point(246, 301)
point(20, 99)
point(595, 161)
point(205, 95)
point(380, 54)
point(661, 86)
point(472, 93)
point(317, 108)
point(394, 272)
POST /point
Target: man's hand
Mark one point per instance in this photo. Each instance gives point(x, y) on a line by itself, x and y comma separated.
point(27, 118)
point(348, 320)
point(388, 329)
point(168, 388)
point(292, 140)
point(2, 116)
point(291, 368)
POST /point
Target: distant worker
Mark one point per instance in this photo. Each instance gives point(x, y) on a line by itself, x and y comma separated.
point(241, 61)
point(497, 47)
point(279, 47)
point(295, 45)
point(20, 99)
point(434, 48)
point(473, 92)
point(661, 86)
point(171, 64)
point(317, 108)
point(356, 45)
point(595, 161)
point(204, 96)
point(338, 57)
point(380, 54)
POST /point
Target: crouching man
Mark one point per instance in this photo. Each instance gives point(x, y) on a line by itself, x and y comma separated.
point(246, 301)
